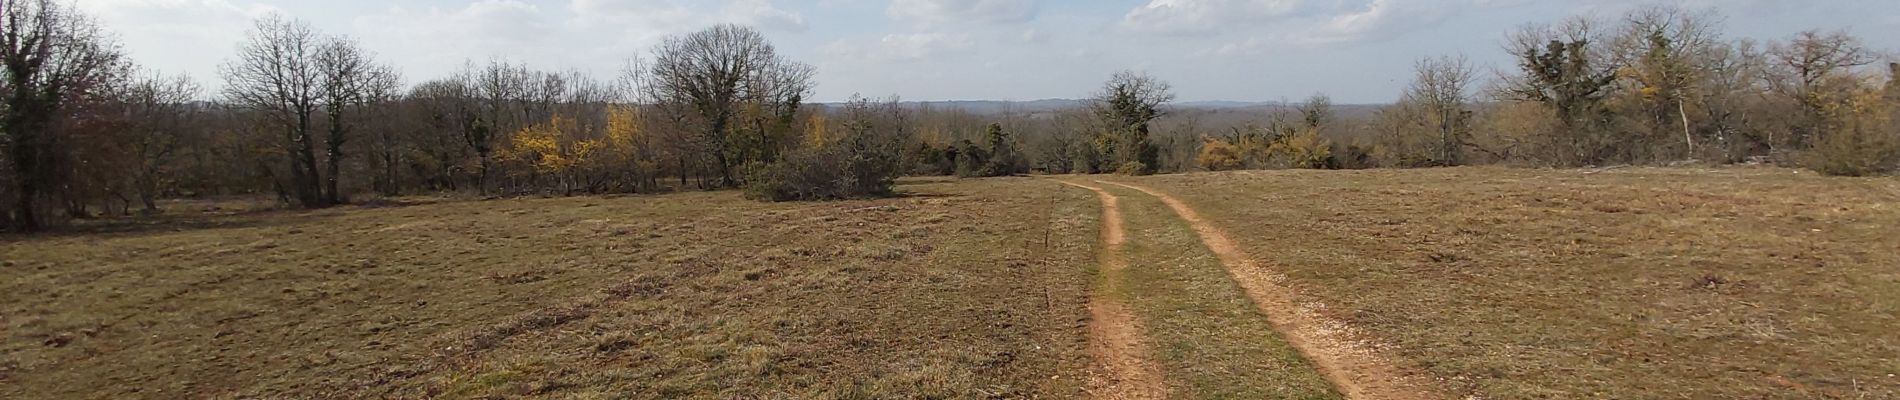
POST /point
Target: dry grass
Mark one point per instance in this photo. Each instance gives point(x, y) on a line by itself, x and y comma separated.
point(1629, 283)
point(1210, 339)
point(969, 289)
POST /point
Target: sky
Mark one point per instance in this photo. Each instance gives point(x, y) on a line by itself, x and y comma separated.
point(1356, 51)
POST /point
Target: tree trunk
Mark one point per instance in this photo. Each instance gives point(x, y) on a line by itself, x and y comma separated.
point(151, 204)
point(481, 177)
point(335, 155)
point(25, 126)
point(304, 168)
point(27, 189)
point(1687, 138)
point(23, 218)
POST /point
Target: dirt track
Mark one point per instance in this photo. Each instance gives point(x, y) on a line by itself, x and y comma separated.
point(1115, 339)
point(1353, 366)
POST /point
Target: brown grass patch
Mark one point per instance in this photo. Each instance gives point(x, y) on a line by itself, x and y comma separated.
point(1632, 283)
point(971, 289)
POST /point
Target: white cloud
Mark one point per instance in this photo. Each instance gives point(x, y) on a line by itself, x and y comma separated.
point(1262, 25)
point(762, 14)
point(904, 47)
point(177, 36)
point(1027, 48)
point(591, 35)
point(1381, 19)
point(962, 11)
point(918, 46)
point(676, 16)
point(443, 39)
point(1033, 35)
point(1205, 16)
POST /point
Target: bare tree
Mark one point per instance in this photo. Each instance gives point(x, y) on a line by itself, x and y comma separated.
point(1566, 69)
point(277, 73)
point(706, 80)
point(160, 110)
point(1665, 51)
point(1728, 86)
point(51, 54)
point(451, 126)
point(501, 91)
point(1128, 102)
point(380, 109)
point(1813, 70)
point(1317, 111)
point(350, 81)
point(1440, 99)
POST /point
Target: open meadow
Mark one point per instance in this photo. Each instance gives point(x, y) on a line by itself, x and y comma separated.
point(1438, 283)
point(970, 288)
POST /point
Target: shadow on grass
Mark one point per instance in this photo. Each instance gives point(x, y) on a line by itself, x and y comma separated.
point(926, 180)
point(185, 219)
point(924, 195)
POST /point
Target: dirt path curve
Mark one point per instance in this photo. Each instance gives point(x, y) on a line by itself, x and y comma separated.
point(1115, 340)
point(1353, 366)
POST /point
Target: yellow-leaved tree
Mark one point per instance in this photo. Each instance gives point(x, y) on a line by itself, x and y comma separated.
point(1302, 149)
point(553, 149)
point(1219, 155)
point(625, 152)
point(816, 131)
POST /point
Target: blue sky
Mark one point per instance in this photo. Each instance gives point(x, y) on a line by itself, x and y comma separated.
point(1358, 51)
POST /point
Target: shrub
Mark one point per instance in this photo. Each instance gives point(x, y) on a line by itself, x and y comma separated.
point(1303, 150)
point(1003, 158)
point(1135, 168)
point(1863, 140)
point(972, 161)
point(996, 157)
point(1219, 155)
point(933, 160)
point(1350, 156)
point(1853, 152)
point(864, 163)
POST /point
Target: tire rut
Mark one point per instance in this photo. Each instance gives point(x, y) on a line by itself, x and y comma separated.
point(1115, 339)
point(1353, 366)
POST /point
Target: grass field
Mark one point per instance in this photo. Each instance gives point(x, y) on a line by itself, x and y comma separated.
point(972, 289)
point(1629, 283)
point(1207, 335)
point(1500, 283)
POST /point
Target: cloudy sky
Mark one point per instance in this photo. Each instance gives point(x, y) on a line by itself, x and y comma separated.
point(1358, 51)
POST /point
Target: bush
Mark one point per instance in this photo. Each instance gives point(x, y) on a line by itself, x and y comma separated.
point(1863, 140)
point(972, 161)
point(1350, 156)
point(1003, 158)
point(936, 161)
point(1303, 150)
point(1219, 155)
point(864, 163)
point(1135, 168)
point(806, 174)
point(1853, 152)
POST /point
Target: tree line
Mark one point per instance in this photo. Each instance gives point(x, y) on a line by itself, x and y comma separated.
point(1659, 85)
point(316, 119)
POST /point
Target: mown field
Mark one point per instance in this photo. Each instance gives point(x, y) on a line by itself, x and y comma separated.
point(969, 289)
point(1628, 283)
point(1498, 283)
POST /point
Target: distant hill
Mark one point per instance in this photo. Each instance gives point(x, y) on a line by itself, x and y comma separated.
point(992, 106)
